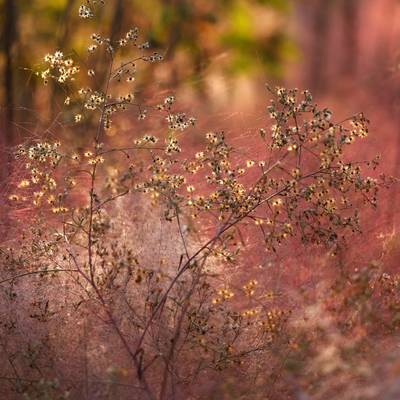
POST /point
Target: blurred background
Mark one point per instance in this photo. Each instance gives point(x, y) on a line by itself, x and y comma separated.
point(219, 55)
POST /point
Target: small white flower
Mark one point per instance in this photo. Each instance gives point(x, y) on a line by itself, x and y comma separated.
point(85, 12)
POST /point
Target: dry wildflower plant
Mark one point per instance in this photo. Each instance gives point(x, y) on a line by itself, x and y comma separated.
point(137, 290)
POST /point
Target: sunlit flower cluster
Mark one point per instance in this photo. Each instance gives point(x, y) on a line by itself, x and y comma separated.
point(59, 68)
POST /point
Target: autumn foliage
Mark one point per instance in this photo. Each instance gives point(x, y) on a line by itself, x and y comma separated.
point(145, 268)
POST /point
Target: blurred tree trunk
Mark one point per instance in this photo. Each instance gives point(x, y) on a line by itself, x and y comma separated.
point(350, 26)
point(386, 67)
point(175, 27)
point(117, 21)
point(64, 32)
point(9, 37)
point(319, 47)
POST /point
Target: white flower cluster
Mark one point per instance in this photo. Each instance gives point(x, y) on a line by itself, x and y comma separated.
point(85, 12)
point(59, 68)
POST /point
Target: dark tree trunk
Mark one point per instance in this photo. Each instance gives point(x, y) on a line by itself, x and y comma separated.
point(117, 21)
point(9, 35)
point(8, 139)
point(64, 33)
